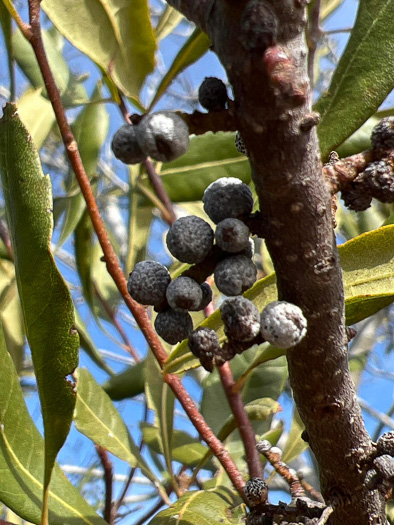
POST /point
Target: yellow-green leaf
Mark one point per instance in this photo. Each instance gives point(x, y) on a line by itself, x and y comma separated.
point(116, 34)
point(168, 21)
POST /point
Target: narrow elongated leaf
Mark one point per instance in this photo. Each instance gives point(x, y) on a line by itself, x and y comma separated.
point(368, 273)
point(295, 445)
point(129, 383)
point(98, 419)
point(22, 461)
point(209, 507)
point(185, 449)
point(37, 115)
point(6, 26)
point(161, 400)
point(363, 77)
point(168, 21)
point(194, 48)
point(46, 301)
point(210, 157)
point(119, 38)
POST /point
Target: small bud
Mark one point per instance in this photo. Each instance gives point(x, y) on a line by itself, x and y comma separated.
point(256, 491)
point(263, 446)
point(385, 444)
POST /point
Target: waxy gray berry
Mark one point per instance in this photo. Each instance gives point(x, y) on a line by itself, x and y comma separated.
point(355, 197)
point(184, 293)
point(227, 197)
point(125, 145)
point(204, 344)
point(212, 94)
point(164, 136)
point(283, 324)
point(232, 235)
point(206, 296)
point(148, 283)
point(256, 491)
point(234, 275)
point(378, 180)
point(382, 137)
point(241, 318)
point(173, 325)
point(190, 239)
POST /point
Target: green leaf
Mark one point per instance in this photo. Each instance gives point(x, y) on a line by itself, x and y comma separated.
point(22, 461)
point(168, 21)
point(37, 115)
point(98, 419)
point(210, 157)
point(129, 383)
point(185, 449)
point(295, 445)
point(363, 77)
point(368, 273)
point(69, 86)
point(11, 316)
point(116, 34)
point(194, 48)
point(6, 26)
point(46, 302)
point(161, 401)
point(209, 507)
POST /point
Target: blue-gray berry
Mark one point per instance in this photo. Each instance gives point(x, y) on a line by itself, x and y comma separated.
point(184, 293)
point(283, 324)
point(164, 135)
point(212, 94)
point(234, 275)
point(232, 235)
point(227, 197)
point(173, 325)
point(148, 283)
point(241, 318)
point(204, 344)
point(206, 296)
point(190, 239)
point(382, 137)
point(125, 145)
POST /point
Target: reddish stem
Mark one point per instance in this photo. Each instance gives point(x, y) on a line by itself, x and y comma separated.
point(108, 480)
point(243, 423)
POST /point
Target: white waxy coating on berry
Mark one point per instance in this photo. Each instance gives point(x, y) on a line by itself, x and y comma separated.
point(227, 197)
point(190, 239)
point(232, 235)
point(277, 451)
point(148, 283)
point(234, 275)
point(184, 293)
point(173, 326)
point(283, 324)
point(125, 145)
point(241, 318)
point(164, 136)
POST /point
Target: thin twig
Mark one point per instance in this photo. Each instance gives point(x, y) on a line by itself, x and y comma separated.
point(108, 480)
point(381, 425)
point(112, 262)
point(243, 423)
point(313, 37)
point(381, 416)
point(157, 185)
point(342, 171)
point(118, 326)
point(151, 512)
point(25, 28)
point(325, 515)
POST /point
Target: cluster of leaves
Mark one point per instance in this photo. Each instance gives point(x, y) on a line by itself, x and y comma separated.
point(35, 302)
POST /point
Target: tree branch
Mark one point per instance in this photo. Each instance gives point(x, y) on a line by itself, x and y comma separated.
point(108, 479)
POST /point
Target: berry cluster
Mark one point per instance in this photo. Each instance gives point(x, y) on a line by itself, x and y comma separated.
point(192, 240)
point(164, 136)
point(377, 180)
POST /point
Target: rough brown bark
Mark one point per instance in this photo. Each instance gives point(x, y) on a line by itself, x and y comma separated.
point(273, 111)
